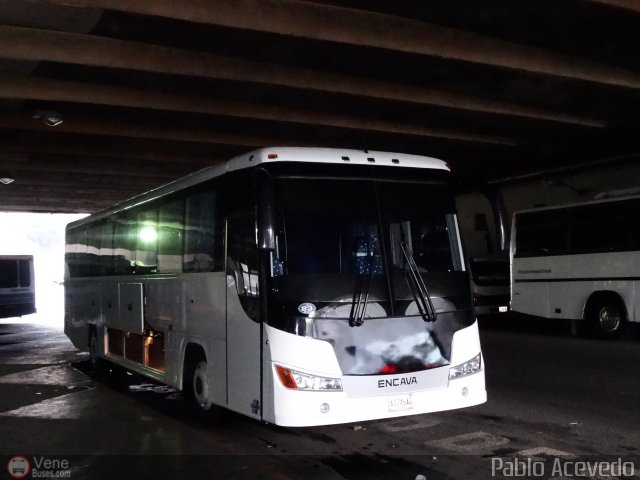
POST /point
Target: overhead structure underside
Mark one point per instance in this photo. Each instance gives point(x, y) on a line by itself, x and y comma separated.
point(149, 91)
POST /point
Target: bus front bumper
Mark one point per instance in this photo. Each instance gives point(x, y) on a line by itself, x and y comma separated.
point(303, 408)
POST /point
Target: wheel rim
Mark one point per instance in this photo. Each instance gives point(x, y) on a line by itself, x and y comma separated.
point(609, 319)
point(93, 349)
point(200, 386)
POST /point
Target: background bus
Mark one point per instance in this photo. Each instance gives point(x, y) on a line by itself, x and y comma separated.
point(295, 286)
point(490, 284)
point(17, 286)
point(578, 262)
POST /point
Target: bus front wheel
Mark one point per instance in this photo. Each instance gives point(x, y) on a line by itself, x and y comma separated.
point(197, 390)
point(607, 316)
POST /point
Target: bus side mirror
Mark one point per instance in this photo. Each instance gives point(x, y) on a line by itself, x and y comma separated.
point(266, 211)
point(266, 231)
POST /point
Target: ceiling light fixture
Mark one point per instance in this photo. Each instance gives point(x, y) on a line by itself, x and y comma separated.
point(48, 117)
point(6, 178)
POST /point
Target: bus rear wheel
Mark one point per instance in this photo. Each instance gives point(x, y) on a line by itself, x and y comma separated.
point(607, 316)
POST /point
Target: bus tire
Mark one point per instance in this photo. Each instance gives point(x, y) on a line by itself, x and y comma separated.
point(196, 389)
point(607, 315)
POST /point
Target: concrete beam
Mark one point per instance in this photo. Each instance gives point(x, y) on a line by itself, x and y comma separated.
point(62, 202)
point(85, 182)
point(27, 192)
point(86, 125)
point(28, 187)
point(193, 144)
point(33, 88)
point(91, 165)
point(77, 155)
point(631, 5)
point(336, 24)
point(45, 204)
point(29, 44)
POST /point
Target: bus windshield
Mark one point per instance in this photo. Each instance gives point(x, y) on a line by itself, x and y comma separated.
point(334, 233)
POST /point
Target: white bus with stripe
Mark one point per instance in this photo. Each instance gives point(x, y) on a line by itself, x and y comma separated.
point(578, 262)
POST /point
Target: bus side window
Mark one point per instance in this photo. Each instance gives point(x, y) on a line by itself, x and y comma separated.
point(8, 274)
point(124, 244)
point(147, 241)
point(93, 250)
point(599, 228)
point(200, 235)
point(170, 236)
point(242, 261)
point(541, 233)
point(24, 273)
point(70, 252)
point(82, 263)
point(242, 253)
point(106, 248)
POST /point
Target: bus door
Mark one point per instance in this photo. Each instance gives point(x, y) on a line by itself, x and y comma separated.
point(244, 349)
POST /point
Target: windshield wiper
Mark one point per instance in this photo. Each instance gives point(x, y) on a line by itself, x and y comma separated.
point(360, 300)
point(417, 285)
point(361, 296)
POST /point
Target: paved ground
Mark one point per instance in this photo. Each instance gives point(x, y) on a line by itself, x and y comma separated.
point(551, 396)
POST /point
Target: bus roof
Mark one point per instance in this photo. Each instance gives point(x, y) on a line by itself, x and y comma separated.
point(578, 204)
point(333, 155)
point(16, 257)
point(272, 155)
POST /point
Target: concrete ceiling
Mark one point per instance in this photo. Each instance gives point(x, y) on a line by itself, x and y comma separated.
point(154, 89)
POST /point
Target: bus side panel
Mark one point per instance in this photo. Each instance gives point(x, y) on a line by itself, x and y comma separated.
point(164, 303)
point(578, 294)
point(110, 304)
point(164, 311)
point(561, 301)
point(82, 308)
point(268, 395)
point(243, 356)
point(131, 307)
point(529, 294)
point(204, 318)
point(616, 266)
point(16, 303)
point(560, 286)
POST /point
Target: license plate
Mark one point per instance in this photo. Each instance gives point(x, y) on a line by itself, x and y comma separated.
point(400, 403)
point(503, 309)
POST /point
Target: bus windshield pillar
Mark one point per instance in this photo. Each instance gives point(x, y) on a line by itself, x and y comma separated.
point(266, 210)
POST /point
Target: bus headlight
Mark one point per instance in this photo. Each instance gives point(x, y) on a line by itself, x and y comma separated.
point(466, 368)
point(295, 380)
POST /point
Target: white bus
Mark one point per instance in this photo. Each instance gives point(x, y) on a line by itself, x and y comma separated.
point(490, 284)
point(578, 262)
point(17, 286)
point(296, 286)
